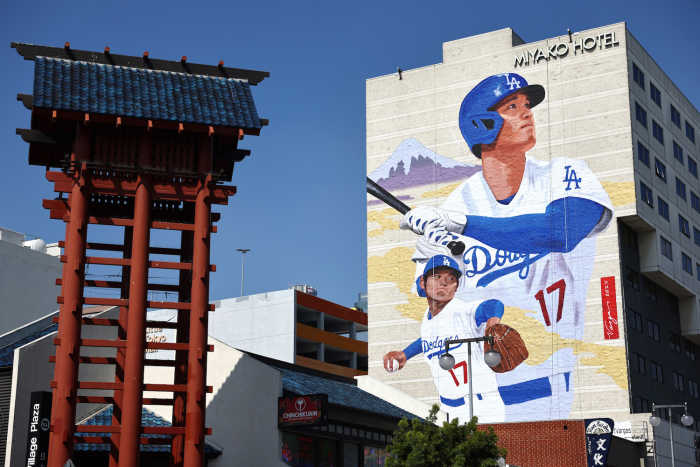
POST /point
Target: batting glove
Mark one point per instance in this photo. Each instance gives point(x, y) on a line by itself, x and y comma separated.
point(434, 242)
point(425, 218)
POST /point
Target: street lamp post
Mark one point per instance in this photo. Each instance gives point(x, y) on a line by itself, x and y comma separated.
point(491, 357)
point(655, 421)
point(243, 252)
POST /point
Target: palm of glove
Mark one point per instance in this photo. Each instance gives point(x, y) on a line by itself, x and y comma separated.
point(509, 344)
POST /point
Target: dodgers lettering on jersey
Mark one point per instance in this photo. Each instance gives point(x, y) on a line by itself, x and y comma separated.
point(436, 346)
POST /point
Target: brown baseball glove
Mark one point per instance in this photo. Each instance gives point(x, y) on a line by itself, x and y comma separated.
point(509, 344)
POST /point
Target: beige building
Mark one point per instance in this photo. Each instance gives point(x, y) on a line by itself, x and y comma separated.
point(634, 288)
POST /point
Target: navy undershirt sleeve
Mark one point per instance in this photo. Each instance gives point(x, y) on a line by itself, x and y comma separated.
point(563, 225)
point(413, 349)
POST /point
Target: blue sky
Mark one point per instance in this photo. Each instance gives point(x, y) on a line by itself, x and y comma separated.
point(300, 205)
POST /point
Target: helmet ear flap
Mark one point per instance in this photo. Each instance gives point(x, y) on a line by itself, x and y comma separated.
point(480, 128)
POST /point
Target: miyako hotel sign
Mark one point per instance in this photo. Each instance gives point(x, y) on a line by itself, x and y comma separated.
point(574, 46)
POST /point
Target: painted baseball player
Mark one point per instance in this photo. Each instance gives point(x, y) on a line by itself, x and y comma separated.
point(529, 229)
point(446, 318)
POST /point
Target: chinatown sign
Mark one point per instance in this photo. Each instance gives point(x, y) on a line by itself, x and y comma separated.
point(574, 46)
point(306, 410)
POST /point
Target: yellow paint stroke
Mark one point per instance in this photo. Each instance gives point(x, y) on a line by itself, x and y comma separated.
point(396, 267)
point(621, 193)
point(541, 344)
point(440, 192)
point(386, 218)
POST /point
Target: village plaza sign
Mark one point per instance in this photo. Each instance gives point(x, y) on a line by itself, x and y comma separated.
point(575, 46)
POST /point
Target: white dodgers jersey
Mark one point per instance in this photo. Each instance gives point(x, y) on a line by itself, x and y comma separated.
point(456, 321)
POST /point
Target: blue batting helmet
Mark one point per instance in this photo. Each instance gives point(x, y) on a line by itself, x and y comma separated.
point(436, 262)
point(479, 123)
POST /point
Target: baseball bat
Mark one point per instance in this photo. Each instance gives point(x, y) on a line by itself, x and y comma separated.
point(457, 248)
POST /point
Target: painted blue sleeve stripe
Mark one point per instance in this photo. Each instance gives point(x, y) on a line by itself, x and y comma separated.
point(488, 309)
point(565, 222)
point(413, 349)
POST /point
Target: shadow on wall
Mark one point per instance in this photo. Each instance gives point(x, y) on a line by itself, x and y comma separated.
point(243, 415)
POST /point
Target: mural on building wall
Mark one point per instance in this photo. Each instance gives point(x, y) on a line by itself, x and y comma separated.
point(529, 228)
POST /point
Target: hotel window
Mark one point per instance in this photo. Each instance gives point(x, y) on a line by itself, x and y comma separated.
point(683, 226)
point(697, 270)
point(638, 75)
point(687, 263)
point(663, 208)
point(689, 131)
point(643, 153)
point(693, 388)
point(657, 131)
point(656, 372)
point(653, 331)
point(696, 235)
point(674, 342)
point(646, 193)
point(695, 201)
point(680, 188)
point(635, 321)
point(641, 114)
point(655, 94)
point(666, 248)
point(660, 169)
point(675, 116)
point(678, 381)
point(689, 350)
point(692, 167)
point(678, 152)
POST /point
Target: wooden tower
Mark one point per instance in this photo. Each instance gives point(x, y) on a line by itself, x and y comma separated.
point(135, 144)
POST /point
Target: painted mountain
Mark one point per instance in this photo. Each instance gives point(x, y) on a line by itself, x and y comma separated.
point(412, 164)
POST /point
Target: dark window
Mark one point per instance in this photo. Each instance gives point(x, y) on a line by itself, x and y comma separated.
point(680, 188)
point(683, 226)
point(678, 381)
point(695, 201)
point(674, 342)
point(696, 235)
point(641, 114)
point(643, 153)
point(647, 195)
point(675, 116)
point(656, 372)
point(693, 388)
point(653, 331)
point(697, 270)
point(663, 208)
point(632, 278)
point(660, 169)
point(635, 321)
point(657, 131)
point(666, 248)
point(655, 94)
point(678, 152)
point(641, 364)
point(689, 350)
point(650, 291)
point(687, 263)
point(689, 131)
point(638, 75)
point(692, 167)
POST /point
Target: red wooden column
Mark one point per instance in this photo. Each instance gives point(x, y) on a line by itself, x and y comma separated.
point(68, 350)
point(121, 353)
point(183, 329)
point(197, 357)
point(132, 395)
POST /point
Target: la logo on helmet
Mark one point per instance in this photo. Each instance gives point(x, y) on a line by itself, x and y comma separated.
point(445, 262)
point(513, 83)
